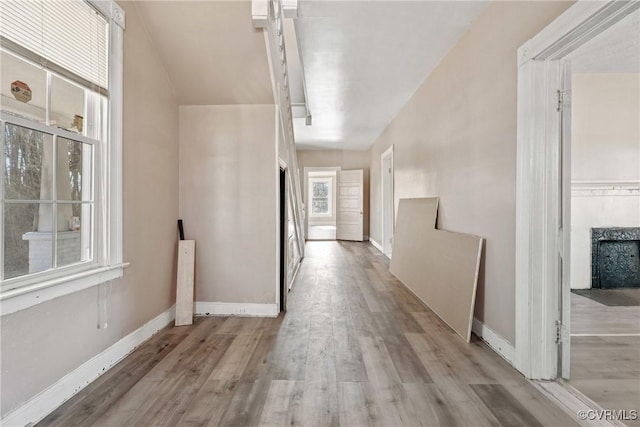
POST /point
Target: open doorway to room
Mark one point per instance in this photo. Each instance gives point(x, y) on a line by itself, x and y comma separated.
point(283, 231)
point(321, 203)
point(603, 191)
point(546, 188)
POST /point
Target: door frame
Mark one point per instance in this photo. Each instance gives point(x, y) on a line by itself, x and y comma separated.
point(282, 256)
point(384, 244)
point(539, 199)
point(305, 190)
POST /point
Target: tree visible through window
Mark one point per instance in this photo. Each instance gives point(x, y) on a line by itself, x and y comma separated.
point(320, 202)
point(54, 102)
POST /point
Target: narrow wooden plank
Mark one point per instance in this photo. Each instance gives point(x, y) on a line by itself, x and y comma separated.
point(247, 403)
point(242, 325)
point(407, 364)
point(185, 282)
point(348, 357)
point(259, 365)
point(356, 408)
point(236, 358)
point(421, 397)
point(320, 403)
point(467, 407)
point(504, 406)
point(208, 406)
point(380, 368)
point(283, 406)
point(428, 356)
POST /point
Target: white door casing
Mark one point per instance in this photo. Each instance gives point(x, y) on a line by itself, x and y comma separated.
point(305, 192)
point(350, 221)
point(564, 104)
point(388, 218)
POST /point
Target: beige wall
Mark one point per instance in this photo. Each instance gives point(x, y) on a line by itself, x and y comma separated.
point(228, 199)
point(42, 344)
point(605, 147)
point(346, 159)
point(605, 121)
point(456, 139)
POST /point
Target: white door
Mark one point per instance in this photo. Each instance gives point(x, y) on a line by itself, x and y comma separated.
point(350, 223)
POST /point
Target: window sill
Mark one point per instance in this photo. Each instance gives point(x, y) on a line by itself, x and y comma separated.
point(22, 298)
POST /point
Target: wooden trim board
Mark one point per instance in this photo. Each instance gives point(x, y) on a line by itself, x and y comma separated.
point(439, 267)
point(185, 282)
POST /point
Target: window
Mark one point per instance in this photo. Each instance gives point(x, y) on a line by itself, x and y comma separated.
point(321, 190)
point(60, 121)
point(320, 198)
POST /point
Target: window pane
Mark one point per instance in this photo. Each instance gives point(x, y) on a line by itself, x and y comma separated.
point(67, 105)
point(320, 206)
point(73, 243)
point(23, 88)
point(28, 160)
point(74, 170)
point(320, 189)
point(25, 249)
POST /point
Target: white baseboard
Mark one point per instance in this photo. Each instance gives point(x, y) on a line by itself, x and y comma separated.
point(574, 402)
point(375, 244)
point(66, 387)
point(501, 346)
point(206, 308)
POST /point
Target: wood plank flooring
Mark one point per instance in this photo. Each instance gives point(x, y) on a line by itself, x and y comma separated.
point(606, 368)
point(355, 348)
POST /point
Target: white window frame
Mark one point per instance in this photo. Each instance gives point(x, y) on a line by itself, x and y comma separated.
point(313, 180)
point(108, 259)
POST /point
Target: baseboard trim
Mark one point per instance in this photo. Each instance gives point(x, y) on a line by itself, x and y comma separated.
point(375, 244)
point(497, 343)
point(574, 402)
point(206, 308)
point(66, 387)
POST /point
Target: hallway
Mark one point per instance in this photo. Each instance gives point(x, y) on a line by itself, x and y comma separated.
point(355, 348)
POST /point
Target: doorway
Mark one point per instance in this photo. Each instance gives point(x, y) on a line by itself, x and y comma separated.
point(388, 217)
point(602, 211)
point(283, 238)
point(543, 236)
point(320, 190)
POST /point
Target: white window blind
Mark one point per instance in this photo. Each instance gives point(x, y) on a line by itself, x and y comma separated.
point(69, 33)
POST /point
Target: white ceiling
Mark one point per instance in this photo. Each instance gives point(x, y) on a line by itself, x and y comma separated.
point(364, 60)
point(616, 50)
point(211, 50)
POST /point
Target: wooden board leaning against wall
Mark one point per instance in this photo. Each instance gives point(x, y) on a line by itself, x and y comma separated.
point(439, 267)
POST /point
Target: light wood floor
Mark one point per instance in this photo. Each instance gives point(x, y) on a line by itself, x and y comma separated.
point(354, 349)
point(322, 232)
point(606, 368)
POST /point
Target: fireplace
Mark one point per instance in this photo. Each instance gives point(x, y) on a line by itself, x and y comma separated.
point(615, 257)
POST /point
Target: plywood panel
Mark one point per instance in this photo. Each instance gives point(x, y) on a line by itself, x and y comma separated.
point(440, 267)
point(184, 290)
